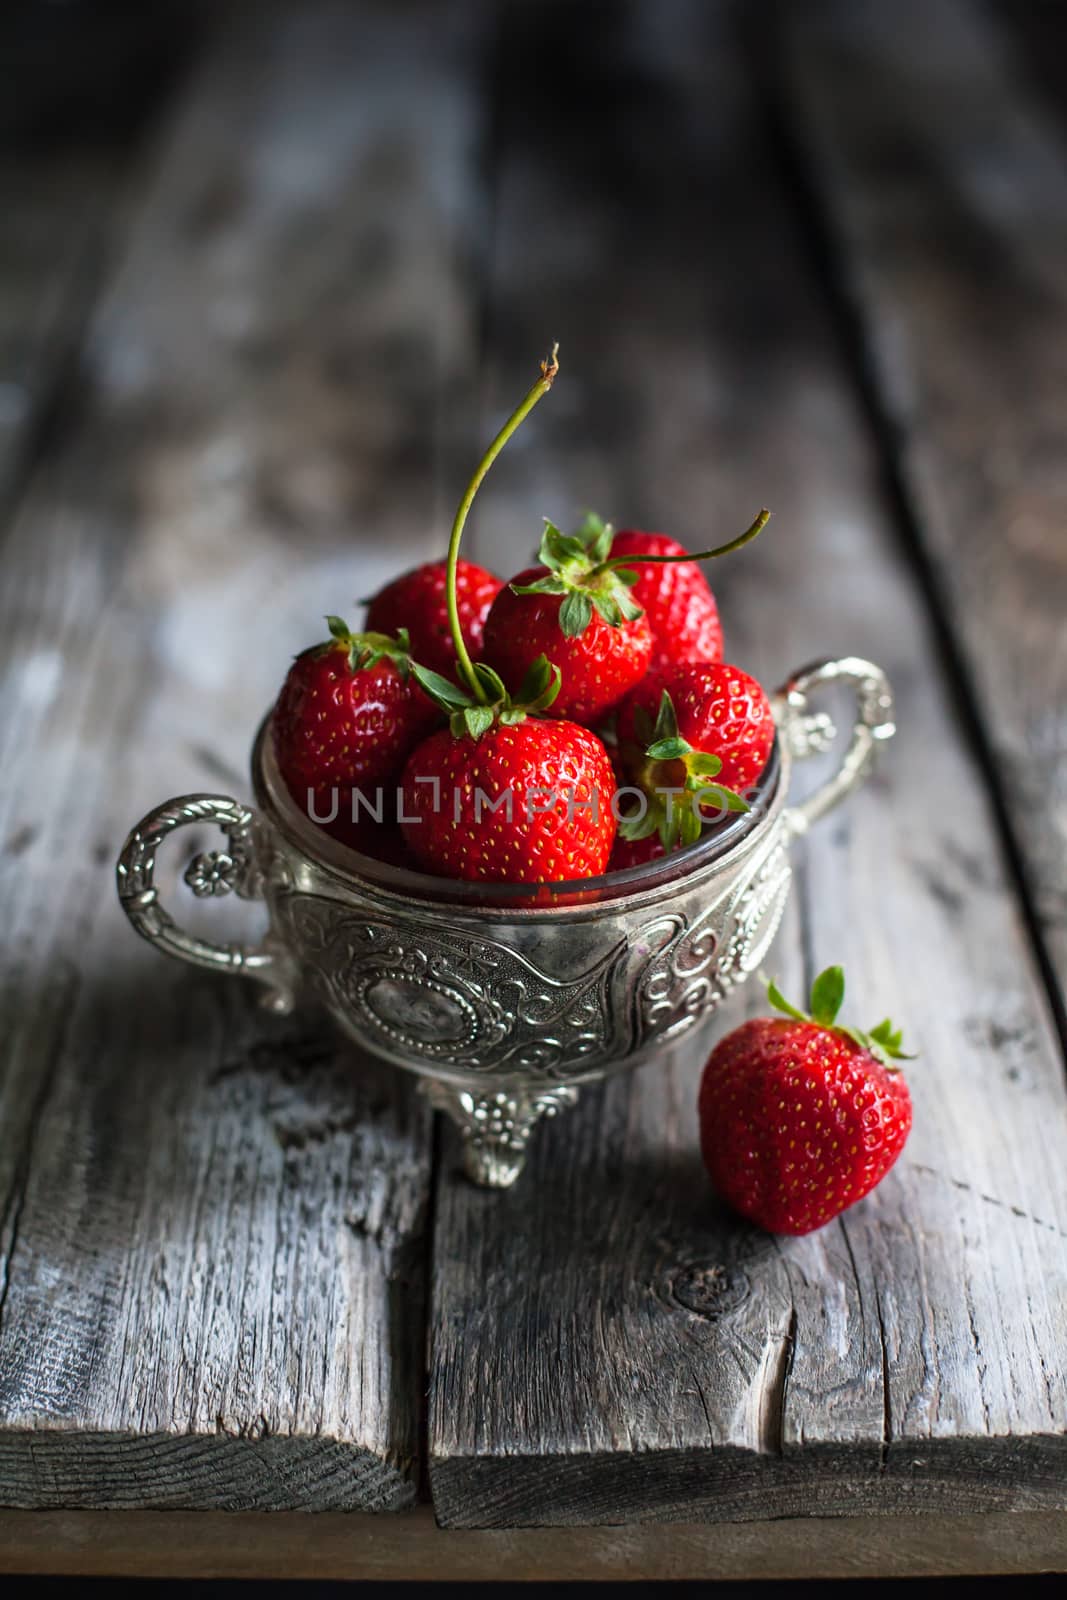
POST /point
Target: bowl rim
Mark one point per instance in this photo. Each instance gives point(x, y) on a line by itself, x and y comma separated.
point(733, 838)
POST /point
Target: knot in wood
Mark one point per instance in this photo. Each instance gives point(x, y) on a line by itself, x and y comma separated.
point(709, 1289)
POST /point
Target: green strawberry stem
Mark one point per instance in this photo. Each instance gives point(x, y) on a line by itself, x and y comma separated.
point(549, 369)
point(701, 555)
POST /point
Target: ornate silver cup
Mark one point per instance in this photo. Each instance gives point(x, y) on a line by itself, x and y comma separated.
point(506, 998)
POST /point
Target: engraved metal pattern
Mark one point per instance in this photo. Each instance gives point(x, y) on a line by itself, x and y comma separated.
point(683, 979)
point(504, 1015)
point(432, 993)
point(756, 914)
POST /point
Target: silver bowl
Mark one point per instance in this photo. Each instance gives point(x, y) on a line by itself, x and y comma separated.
point(505, 998)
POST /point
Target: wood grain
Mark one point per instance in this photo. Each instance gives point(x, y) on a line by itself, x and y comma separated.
point(211, 1225)
point(607, 1345)
point(941, 177)
point(205, 1544)
point(85, 91)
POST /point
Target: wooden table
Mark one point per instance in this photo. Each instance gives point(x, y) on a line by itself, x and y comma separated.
point(255, 323)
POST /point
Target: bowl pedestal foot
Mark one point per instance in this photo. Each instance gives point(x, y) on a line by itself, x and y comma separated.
point(496, 1127)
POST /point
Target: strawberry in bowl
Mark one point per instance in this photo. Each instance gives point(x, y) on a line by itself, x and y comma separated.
point(581, 608)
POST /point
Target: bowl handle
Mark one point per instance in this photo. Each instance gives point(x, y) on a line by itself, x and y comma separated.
point(810, 733)
point(215, 872)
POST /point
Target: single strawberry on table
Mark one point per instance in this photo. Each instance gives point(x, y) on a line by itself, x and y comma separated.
point(579, 608)
point(692, 741)
point(800, 1117)
point(348, 714)
point(675, 597)
point(418, 601)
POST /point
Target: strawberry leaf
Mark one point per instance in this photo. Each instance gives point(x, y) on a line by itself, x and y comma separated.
point(780, 1003)
point(668, 749)
point(827, 993)
point(546, 697)
point(591, 528)
point(608, 607)
point(702, 765)
point(596, 535)
point(537, 679)
point(491, 681)
point(442, 691)
point(575, 614)
point(689, 825)
point(558, 548)
point(722, 798)
point(666, 721)
point(339, 629)
point(885, 1043)
point(477, 720)
point(639, 826)
point(547, 585)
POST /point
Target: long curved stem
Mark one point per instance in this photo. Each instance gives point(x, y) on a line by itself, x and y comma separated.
point(699, 555)
point(549, 369)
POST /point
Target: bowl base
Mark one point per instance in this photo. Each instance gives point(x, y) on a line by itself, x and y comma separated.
point(496, 1126)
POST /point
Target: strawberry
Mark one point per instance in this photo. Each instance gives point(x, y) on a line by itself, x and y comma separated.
point(503, 796)
point(348, 714)
point(601, 649)
point(800, 1118)
point(692, 740)
point(579, 608)
point(417, 601)
point(628, 852)
point(676, 599)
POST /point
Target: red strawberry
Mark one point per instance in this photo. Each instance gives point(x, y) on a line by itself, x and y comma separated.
point(677, 600)
point(500, 796)
point(801, 1118)
point(417, 601)
point(598, 662)
point(635, 852)
point(699, 730)
point(348, 714)
point(579, 609)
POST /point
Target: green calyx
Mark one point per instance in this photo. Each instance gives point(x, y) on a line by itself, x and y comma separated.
point(367, 649)
point(470, 716)
point(676, 779)
point(582, 570)
point(578, 570)
point(827, 993)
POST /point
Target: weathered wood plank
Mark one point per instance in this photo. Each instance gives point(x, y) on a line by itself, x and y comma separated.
point(943, 184)
point(205, 1544)
point(82, 94)
point(211, 1224)
point(607, 1345)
